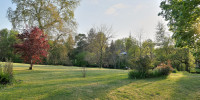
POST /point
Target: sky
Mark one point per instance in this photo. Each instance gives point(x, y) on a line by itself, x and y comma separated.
point(125, 16)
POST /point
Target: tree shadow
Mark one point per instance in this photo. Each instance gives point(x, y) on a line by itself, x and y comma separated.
point(96, 88)
point(187, 87)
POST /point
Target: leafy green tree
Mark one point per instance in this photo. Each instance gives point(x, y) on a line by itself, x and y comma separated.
point(183, 20)
point(90, 40)
point(98, 42)
point(182, 58)
point(112, 55)
point(70, 43)
point(80, 59)
point(160, 34)
point(148, 48)
point(164, 43)
point(81, 44)
point(143, 64)
point(101, 45)
point(7, 40)
point(59, 54)
point(48, 15)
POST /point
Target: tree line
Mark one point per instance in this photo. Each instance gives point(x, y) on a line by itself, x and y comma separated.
point(96, 49)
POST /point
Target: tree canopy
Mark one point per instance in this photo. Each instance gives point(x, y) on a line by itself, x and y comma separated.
point(48, 15)
point(183, 18)
point(33, 45)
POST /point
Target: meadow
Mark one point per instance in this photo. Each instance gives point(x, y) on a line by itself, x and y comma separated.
point(48, 82)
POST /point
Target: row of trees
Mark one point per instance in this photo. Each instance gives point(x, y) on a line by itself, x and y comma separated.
point(56, 20)
point(95, 50)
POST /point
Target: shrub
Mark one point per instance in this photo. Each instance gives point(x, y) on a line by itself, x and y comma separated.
point(155, 73)
point(143, 64)
point(161, 70)
point(134, 74)
point(164, 69)
point(174, 71)
point(6, 73)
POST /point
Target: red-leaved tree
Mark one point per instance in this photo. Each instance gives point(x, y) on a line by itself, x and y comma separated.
point(33, 46)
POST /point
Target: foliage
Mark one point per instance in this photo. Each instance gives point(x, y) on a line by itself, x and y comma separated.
point(144, 64)
point(160, 33)
point(81, 59)
point(61, 52)
point(148, 48)
point(134, 74)
point(70, 43)
point(6, 73)
point(182, 59)
point(50, 16)
point(195, 70)
point(142, 67)
point(58, 55)
point(175, 71)
point(183, 20)
point(164, 69)
point(33, 45)
point(7, 40)
point(98, 42)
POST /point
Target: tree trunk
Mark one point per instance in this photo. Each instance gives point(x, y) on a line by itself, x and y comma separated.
point(31, 67)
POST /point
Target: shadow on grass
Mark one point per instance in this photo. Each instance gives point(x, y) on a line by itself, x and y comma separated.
point(96, 89)
point(187, 87)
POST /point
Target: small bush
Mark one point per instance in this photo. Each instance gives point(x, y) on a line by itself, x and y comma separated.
point(134, 74)
point(6, 73)
point(174, 71)
point(164, 70)
point(142, 67)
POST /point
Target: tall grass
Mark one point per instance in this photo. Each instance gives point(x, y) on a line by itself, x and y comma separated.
point(6, 72)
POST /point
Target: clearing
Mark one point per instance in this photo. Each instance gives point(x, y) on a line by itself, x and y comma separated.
point(61, 82)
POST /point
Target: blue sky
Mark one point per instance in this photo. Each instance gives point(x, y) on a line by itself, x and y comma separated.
point(124, 16)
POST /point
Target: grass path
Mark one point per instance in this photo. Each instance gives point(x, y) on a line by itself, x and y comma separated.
point(60, 82)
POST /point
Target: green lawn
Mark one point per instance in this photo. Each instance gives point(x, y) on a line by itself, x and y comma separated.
point(60, 82)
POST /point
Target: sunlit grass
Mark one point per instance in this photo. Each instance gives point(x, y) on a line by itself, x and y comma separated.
point(61, 82)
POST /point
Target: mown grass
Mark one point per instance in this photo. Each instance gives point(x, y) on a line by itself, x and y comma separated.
point(60, 82)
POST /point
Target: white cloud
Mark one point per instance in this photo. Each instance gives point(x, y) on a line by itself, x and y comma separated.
point(113, 10)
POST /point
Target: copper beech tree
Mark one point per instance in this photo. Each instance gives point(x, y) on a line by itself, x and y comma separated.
point(33, 46)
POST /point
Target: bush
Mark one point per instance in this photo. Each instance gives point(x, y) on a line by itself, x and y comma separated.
point(134, 74)
point(6, 73)
point(155, 73)
point(143, 64)
point(174, 71)
point(161, 70)
point(164, 69)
